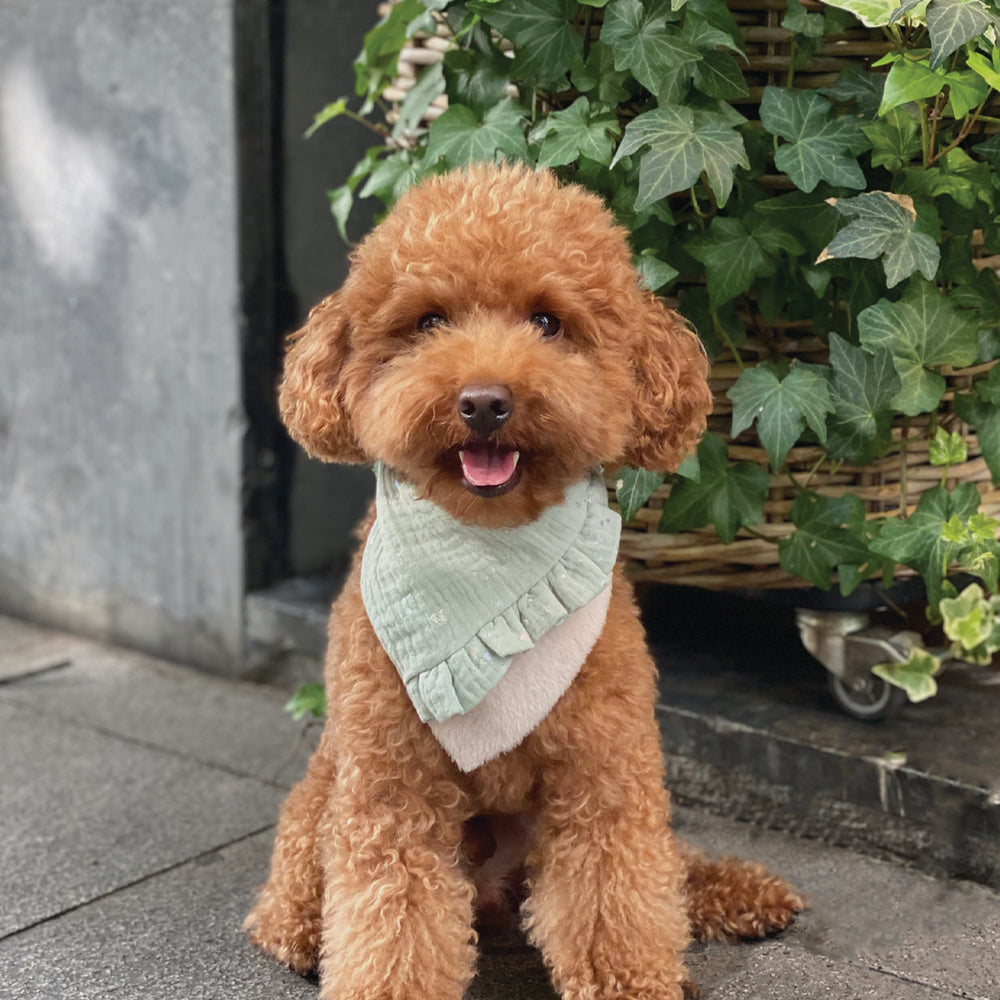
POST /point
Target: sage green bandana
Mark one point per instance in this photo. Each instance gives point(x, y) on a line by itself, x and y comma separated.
point(453, 604)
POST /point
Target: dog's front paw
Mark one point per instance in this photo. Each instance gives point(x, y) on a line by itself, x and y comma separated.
point(633, 987)
point(289, 938)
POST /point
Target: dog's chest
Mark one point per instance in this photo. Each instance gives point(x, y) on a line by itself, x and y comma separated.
point(504, 785)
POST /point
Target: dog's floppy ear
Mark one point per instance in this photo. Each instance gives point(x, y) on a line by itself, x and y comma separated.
point(671, 398)
point(311, 397)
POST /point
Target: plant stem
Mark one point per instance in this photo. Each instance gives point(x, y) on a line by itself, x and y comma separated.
point(902, 466)
point(380, 130)
point(967, 126)
point(721, 331)
point(935, 116)
point(925, 138)
point(759, 534)
point(695, 205)
point(892, 32)
point(812, 472)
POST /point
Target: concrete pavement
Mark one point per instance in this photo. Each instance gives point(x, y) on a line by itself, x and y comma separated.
point(137, 803)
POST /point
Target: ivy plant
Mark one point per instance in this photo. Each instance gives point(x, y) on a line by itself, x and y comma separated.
point(889, 197)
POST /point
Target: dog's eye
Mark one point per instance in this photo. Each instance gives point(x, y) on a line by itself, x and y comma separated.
point(548, 325)
point(429, 321)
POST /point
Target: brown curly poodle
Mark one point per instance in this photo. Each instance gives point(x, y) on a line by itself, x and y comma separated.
point(492, 347)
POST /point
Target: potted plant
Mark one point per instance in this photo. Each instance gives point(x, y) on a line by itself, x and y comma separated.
point(817, 185)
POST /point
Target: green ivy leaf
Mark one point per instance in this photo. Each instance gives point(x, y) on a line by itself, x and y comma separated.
point(904, 8)
point(895, 140)
point(915, 675)
point(546, 42)
point(799, 20)
point(863, 87)
point(862, 388)
point(477, 80)
point(430, 85)
point(929, 184)
point(981, 557)
point(683, 142)
point(376, 65)
point(966, 90)
point(634, 487)
point(917, 540)
point(327, 114)
point(819, 147)
point(988, 389)
point(459, 137)
point(719, 75)
point(597, 73)
point(975, 178)
point(876, 13)
point(578, 131)
point(719, 16)
point(310, 699)
point(809, 217)
point(907, 81)
point(781, 407)
point(947, 449)
point(706, 32)
point(643, 42)
point(391, 176)
point(921, 331)
point(655, 273)
point(952, 23)
point(988, 69)
point(985, 418)
point(883, 226)
point(954, 530)
point(341, 199)
point(827, 535)
point(967, 619)
point(983, 528)
point(715, 327)
point(851, 575)
point(726, 496)
point(734, 257)
point(690, 468)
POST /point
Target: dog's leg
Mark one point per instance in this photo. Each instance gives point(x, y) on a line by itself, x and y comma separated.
point(397, 909)
point(730, 898)
point(606, 884)
point(286, 918)
point(606, 905)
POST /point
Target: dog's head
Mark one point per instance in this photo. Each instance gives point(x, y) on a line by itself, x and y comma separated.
point(492, 344)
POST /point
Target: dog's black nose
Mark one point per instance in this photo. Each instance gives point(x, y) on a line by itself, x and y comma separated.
point(485, 408)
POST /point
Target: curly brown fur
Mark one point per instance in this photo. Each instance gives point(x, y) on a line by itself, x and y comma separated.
point(385, 845)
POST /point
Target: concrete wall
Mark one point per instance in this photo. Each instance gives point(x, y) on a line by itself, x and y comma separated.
point(120, 410)
point(159, 234)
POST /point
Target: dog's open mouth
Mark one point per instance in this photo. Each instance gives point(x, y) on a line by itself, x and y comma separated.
point(489, 469)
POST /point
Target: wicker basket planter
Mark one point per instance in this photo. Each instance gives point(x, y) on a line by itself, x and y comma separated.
point(894, 482)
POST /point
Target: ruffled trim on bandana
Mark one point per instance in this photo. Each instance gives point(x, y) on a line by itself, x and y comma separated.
point(461, 681)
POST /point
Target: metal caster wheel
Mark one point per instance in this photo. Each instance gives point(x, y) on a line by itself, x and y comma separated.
point(868, 698)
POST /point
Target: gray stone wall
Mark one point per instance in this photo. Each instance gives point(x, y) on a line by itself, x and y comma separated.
point(120, 411)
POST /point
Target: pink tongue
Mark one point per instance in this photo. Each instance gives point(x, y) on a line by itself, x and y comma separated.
point(485, 466)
